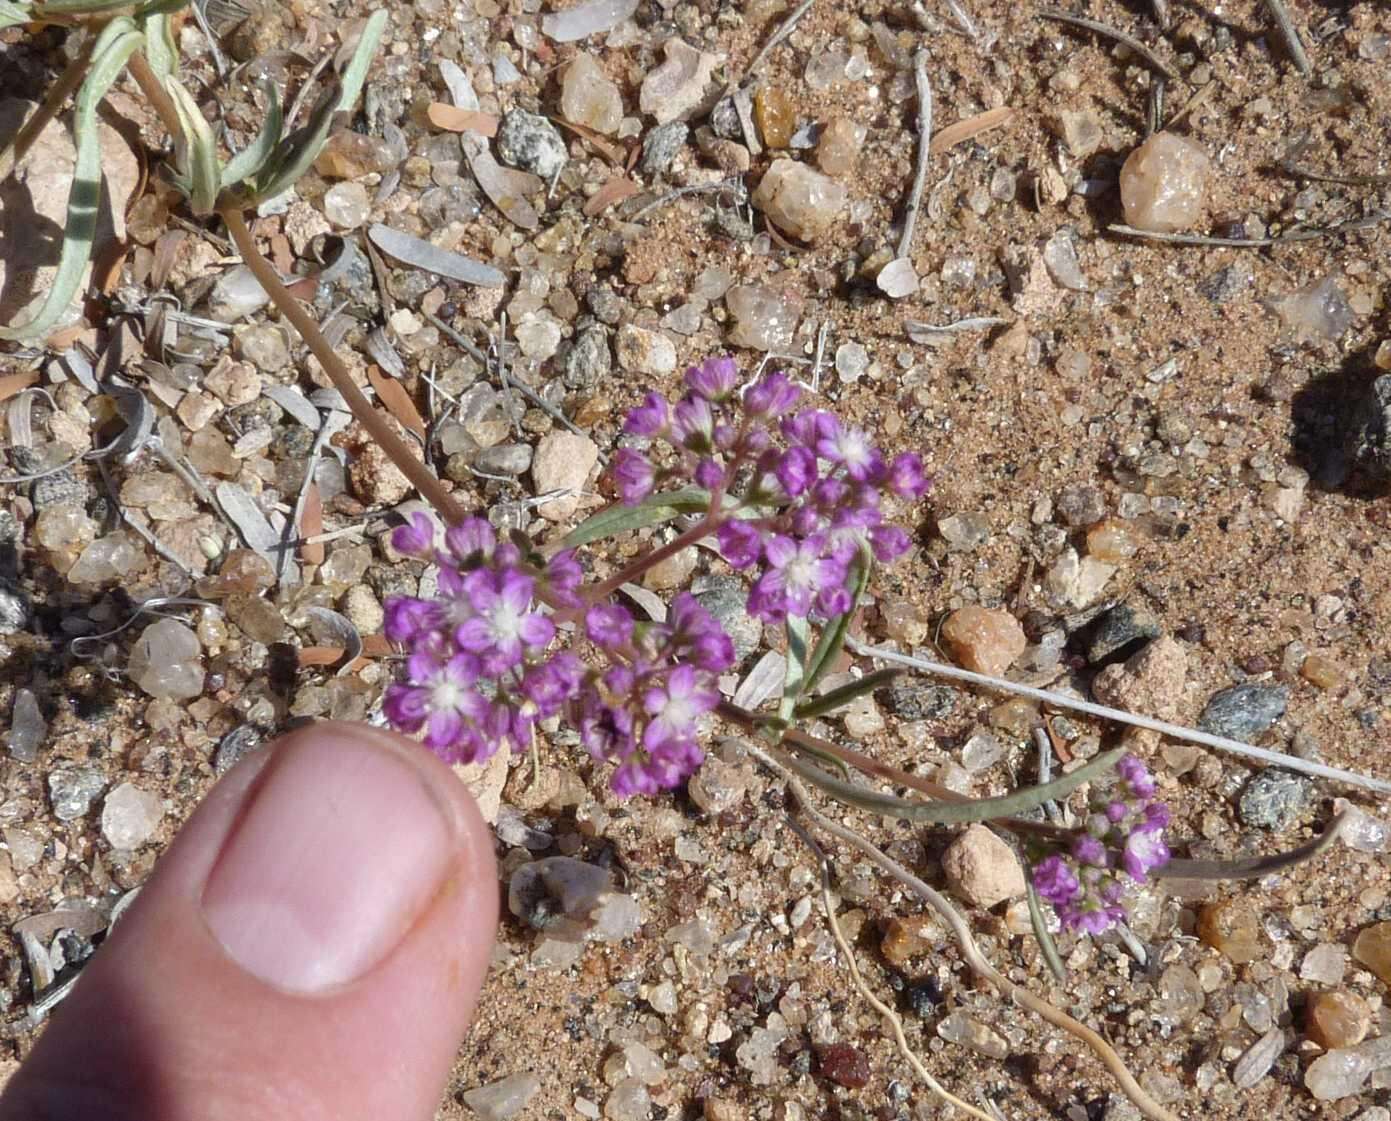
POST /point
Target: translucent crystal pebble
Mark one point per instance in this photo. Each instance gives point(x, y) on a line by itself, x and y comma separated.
point(130, 816)
point(64, 526)
point(1362, 831)
point(107, 558)
point(696, 935)
point(347, 205)
point(1316, 311)
point(763, 320)
point(589, 97)
point(958, 1027)
point(898, 278)
point(1325, 964)
point(981, 752)
point(1337, 1019)
point(629, 1101)
point(236, 295)
point(1060, 259)
point(503, 1099)
point(758, 1054)
point(828, 67)
point(1337, 1074)
point(587, 18)
point(1164, 184)
point(348, 155)
point(838, 150)
point(166, 661)
point(71, 790)
point(801, 202)
point(559, 886)
point(1180, 995)
point(851, 361)
point(27, 727)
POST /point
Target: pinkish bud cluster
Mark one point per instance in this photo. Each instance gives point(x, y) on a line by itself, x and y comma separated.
point(794, 494)
point(1122, 834)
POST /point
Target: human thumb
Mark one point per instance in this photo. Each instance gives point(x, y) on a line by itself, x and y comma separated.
point(310, 947)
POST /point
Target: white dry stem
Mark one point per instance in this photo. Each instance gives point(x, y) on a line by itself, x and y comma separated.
point(1174, 731)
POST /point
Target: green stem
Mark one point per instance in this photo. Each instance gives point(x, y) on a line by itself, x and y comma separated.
point(377, 428)
point(606, 588)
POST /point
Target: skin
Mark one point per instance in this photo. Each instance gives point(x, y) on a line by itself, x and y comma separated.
point(165, 1025)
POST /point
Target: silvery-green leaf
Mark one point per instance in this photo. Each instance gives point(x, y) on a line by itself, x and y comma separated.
point(795, 678)
point(118, 40)
point(653, 510)
point(160, 50)
point(198, 170)
point(294, 154)
point(255, 529)
point(12, 15)
point(251, 158)
point(837, 698)
point(761, 682)
point(1049, 948)
point(442, 262)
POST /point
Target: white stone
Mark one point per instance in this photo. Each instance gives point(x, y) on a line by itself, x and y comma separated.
point(641, 351)
point(130, 816)
point(167, 662)
point(800, 201)
point(347, 205)
point(589, 97)
point(982, 869)
point(676, 88)
point(505, 1098)
point(763, 319)
point(1164, 184)
point(562, 462)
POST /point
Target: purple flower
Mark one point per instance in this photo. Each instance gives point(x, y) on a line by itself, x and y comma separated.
point(1089, 850)
point(504, 623)
point(471, 539)
point(1090, 917)
point(1144, 851)
point(563, 577)
point(676, 704)
point(850, 447)
point(409, 618)
point(417, 538)
point(771, 396)
point(713, 379)
point(889, 542)
point(693, 424)
point(551, 684)
point(906, 478)
point(633, 475)
point(442, 699)
point(1136, 776)
point(796, 470)
point(796, 573)
point(608, 625)
point(1055, 882)
point(1116, 812)
point(648, 419)
point(699, 634)
point(740, 543)
point(709, 474)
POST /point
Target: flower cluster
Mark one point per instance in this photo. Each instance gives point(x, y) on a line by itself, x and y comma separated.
point(1121, 834)
point(796, 492)
point(477, 670)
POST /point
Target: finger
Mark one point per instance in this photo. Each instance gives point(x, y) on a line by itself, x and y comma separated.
point(310, 946)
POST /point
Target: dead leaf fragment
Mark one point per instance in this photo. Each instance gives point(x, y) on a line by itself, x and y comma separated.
point(955, 134)
point(453, 119)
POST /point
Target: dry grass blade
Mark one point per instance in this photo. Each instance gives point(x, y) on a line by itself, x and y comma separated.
point(311, 524)
point(915, 198)
point(615, 190)
point(1291, 36)
point(895, 1021)
point(1157, 63)
point(1291, 238)
point(969, 128)
point(612, 152)
point(397, 401)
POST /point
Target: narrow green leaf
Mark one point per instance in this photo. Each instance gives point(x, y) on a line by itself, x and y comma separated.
point(1046, 945)
point(1254, 867)
point(795, 680)
point(945, 813)
point(198, 167)
point(294, 154)
point(829, 702)
point(251, 158)
point(118, 40)
point(653, 510)
point(832, 639)
point(160, 51)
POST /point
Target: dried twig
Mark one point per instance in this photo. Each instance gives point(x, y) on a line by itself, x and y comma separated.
point(915, 197)
point(979, 964)
point(895, 1021)
point(1157, 63)
point(1175, 731)
point(1250, 242)
point(1291, 36)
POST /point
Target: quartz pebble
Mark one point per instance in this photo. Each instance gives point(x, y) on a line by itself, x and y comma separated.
point(959, 1027)
point(763, 319)
point(107, 558)
point(130, 816)
point(236, 295)
point(984, 640)
point(838, 150)
point(1316, 311)
point(758, 1053)
point(1164, 184)
point(982, 869)
point(641, 351)
point(27, 727)
point(562, 462)
point(530, 142)
point(72, 789)
point(801, 202)
point(1180, 995)
point(347, 205)
point(1325, 964)
point(1373, 949)
point(589, 97)
point(676, 88)
point(166, 661)
point(910, 936)
point(1337, 1019)
point(1229, 926)
point(1060, 259)
point(629, 1101)
point(1344, 1071)
point(964, 532)
point(503, 1099)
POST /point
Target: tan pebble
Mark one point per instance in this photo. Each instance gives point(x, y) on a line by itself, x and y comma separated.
point(983, 640)
point(775, 115)
point(1113, 541)
point(1229, 926)
point(1322, 671)
point(910, 937)
point(1017, 717)
point(1164, 184)
point(1337, 1019)
point(801, 202)
point(982, 869)
point(718, 1109)
point(838, 150)
point(1373, 949)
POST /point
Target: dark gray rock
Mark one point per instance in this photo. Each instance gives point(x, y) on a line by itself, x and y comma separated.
point(1274, 799)
point(589, 361)
point(917, 700)
point(1080, 505)
point(1243, 712)
point(1369, 430)
point(660, 146)
point(234, 746)
point(71, 790)
point(1119, 633)
point(726, 598)
point(530, 142)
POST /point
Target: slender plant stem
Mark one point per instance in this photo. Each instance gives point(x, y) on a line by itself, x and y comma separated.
point(68, 81)
point(603, 590)
point(910, 220)
point(377, 428)
point(158, 96)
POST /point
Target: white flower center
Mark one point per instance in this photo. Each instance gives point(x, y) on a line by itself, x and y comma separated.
point(800, 571)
